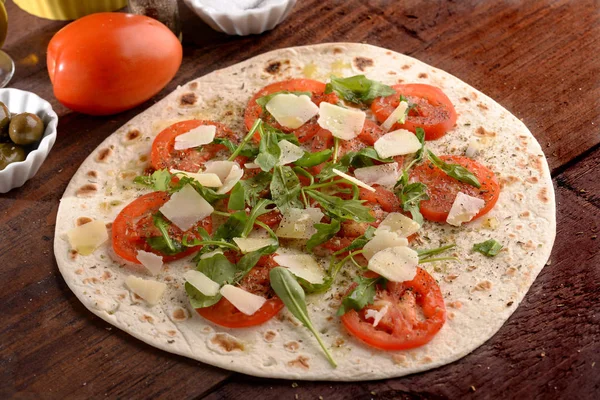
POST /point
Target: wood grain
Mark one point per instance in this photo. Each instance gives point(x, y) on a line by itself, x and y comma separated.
point(52, 347)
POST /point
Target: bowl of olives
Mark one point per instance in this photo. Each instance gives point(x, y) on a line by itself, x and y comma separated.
point(27, 133)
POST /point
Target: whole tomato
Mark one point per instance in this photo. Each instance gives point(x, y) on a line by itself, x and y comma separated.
point(106, 63)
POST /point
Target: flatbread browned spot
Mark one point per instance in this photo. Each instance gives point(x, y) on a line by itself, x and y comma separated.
point(392, 73)
point(483, 286)
point(362, 63)
point(300, 362)
point(427, 359)
point(193, 85)
point(146, 318)
point(511, 271)
point(423, 75)
point(405, 66)
point(86, 190)
point(82, 220)
point(471, 268)
point(339, 342)
point(400, 81)
point(524, 214)
point(482, 106)
point(273, 67)
point(528, 245)
point(450, 315)
point(143, 158)
point(507, 181)
point(399, 359)
point(179, 314)
point(269, 336)
point(481, 131)
point(133, 134)
point(103, 155)
point(188, 99)
point(92, 174)
point(128, 175)
point(536, 162)
point(93, 279)
point(79, 271)
point(227, 342)
point(455, 304)
point(543, 195)
point(532, 179)
point(106, 275)
point(73, 254)
point(292, 346)
point(337, 50)
point(473, 95)
point(171, 332)
point(108, 225)
point(465, 99)
point(450, 278)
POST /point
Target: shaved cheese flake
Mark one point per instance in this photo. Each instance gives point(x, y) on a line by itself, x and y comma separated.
point(289, 152)
point(203, 283)
point(290, 110)
point(204, 134)
point(397, 264)
point(464, 208)
point(151, 261)
point(299, 224)
point(383, 240)
point(211, 254)
point(208, 180)
point(88, 237)
point(343, 123)
point(248, 245)
point(221, 168)
point(303, 266)
point(385, 174)
point(251, 165)
point(399, 224)
point(353, 180)
point(397, 143)
point(398, 115)
point(376, 314)
point(185, 208)
point(148, 289)
point(246, 302)
point(234, 176)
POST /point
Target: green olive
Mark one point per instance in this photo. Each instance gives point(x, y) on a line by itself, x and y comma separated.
point(10, 153)
point(4, 121)
point(26, 128)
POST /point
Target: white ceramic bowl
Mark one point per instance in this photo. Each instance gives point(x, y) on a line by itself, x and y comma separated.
point(243, 22)
point(18, 101)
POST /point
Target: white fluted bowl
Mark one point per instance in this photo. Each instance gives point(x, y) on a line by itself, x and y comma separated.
point(18, 101)
point(243, 22)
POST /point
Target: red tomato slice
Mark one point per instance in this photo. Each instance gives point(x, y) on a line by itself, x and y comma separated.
point(416, 312)
point(164, 154)
point(381, 202)
point(442, 189)
point(306, 131)
point(134, 224)
point(434, 111)
point(257, 282)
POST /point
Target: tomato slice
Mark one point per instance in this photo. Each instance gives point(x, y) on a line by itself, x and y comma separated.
point(164, 155)
point(257, 282)
point(306, 131)
point(434, 111)
point(134, 224)
point(442, 189)
point(416, 312)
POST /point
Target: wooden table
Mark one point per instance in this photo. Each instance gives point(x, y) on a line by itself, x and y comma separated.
point(540, 59)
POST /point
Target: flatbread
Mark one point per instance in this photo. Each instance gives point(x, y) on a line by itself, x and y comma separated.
point(480, 293)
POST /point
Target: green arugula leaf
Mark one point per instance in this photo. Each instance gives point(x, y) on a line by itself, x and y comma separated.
point(257, 211)
point(209, 195)
point(269, 151)
point(362, 158)
point(237, 199)
point(248, 261)
point(454, 170)
point(248, 150)
point(361, 296)
point(324, 233)
point(327, 171)
point(292, 295)
point(344, 209)
point(262, 101)
point(258, 124)
point(290, 137)
point(254, 186)
point(160, 180)
point(411, 196)
point(358, 89)
point(233, 227)
point(219, 269)
point(359, 242)
point(285, 188)
point(164, 243)
point(489, 248)
point(312, 159)
point(420, 134)
point(425, 254)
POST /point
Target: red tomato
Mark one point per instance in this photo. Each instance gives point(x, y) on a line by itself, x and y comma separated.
point(306, 131)
point(164, 154)
point(257, 281)
point(442, 189)
point(106, 63)
point(434, 111)
point(416, 312)
point(134, 224)
point(381, 202)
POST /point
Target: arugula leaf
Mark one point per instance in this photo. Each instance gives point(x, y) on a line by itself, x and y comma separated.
point(358, 89)
point(425, 254)
point(248, 261)
point(233, 227)
point(312, 159)
point(219, 269)
point(237, 199)
point(327, 171)
point(292, 295)
point(454, 170)
point(362, 158)
point(247, 150)
point(254, 186)
point(209, 195)
point(420, 134)
point(344, 209)
point(269, 151)
point(164, 243)
point(489, 248)
point(257, 211)
point(262, 101)
point(160, 180)
point(290, 137)
point(285, 188)
point(361, 296)
point(411, 196)
point(359, 242)
point(324, 233)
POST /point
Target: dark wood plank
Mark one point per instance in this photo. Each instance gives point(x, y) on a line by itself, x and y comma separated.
point(547, 349)
point(52, 345)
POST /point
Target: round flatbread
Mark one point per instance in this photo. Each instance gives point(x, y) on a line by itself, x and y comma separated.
point(480, 292)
